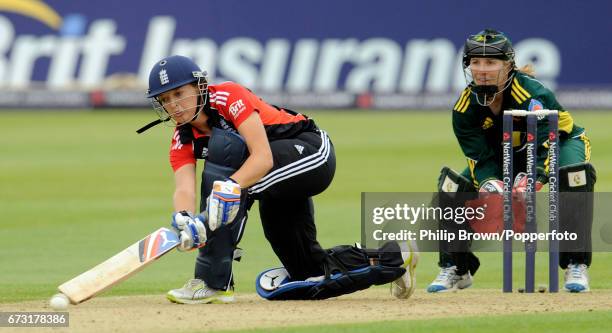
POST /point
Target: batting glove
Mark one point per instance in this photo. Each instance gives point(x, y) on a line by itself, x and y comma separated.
point(191, 230)
point(223, 203)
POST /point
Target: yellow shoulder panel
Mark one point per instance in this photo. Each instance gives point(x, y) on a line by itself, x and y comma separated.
point(518, 92)
point(566, 122)
point(463, 101)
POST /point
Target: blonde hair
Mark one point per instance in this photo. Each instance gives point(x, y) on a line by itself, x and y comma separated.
point(527, 69)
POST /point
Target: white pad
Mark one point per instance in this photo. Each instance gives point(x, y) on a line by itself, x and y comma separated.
point(272, 279)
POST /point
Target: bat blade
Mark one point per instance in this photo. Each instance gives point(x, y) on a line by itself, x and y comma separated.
point(120, 266)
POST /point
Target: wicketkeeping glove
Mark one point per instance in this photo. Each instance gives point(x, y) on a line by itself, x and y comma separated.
point(191, 230)
point(223, 203)
point(520, 184)
point(490, 199)
point(519, 195)
point(492, 186)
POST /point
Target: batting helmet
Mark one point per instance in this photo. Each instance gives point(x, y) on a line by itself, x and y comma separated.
point(170, 73)
point(173, 72)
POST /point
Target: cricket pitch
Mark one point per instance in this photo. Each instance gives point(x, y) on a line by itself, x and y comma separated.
point(155, 314)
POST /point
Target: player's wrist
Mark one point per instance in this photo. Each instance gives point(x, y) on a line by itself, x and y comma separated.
point(184, 212)
point(233, 180)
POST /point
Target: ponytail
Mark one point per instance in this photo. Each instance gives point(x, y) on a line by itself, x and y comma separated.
point(527, 69)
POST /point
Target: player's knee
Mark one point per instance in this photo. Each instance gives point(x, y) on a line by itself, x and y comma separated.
point(450, 181)
point(227, 149)
point(453, 189)
point(347, 269)
point(579, 177)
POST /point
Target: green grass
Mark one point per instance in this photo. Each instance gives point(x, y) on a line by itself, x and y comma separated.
point(77, 187)
point(583, 322)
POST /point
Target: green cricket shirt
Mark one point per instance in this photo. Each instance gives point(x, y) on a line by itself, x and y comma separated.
point(479, 131)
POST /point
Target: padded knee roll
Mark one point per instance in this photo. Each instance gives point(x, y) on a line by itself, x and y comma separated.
point(347, 270)
point(580, 177)
point(227, 152)
point(454, 190)
point(576, 185)
point(452, 182)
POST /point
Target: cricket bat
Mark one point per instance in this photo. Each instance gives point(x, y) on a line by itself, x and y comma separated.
point(120, 267)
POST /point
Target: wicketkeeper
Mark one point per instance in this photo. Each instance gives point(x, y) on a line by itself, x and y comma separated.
point(495, 84)
point(257, 151)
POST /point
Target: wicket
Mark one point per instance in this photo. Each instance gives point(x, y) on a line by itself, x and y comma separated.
point(530, 200)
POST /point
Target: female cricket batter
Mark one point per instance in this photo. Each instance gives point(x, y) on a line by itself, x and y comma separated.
point(495, 84)
point(257, 151)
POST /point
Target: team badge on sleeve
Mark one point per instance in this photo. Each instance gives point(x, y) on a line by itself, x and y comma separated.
point(535, 105)
point(236, 108)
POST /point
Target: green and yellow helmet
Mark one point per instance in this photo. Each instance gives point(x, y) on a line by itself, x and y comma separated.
point(488, 43)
